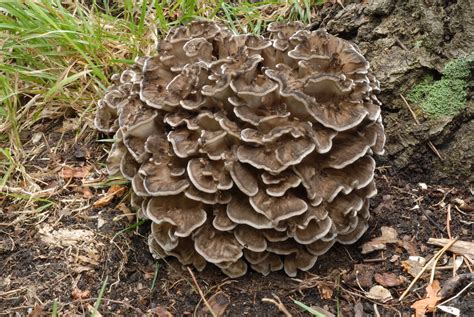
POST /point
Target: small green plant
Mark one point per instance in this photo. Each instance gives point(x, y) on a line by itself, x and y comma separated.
point(447, 96)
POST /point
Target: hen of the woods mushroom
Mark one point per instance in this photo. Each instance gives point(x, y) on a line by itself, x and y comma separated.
point(244, 150)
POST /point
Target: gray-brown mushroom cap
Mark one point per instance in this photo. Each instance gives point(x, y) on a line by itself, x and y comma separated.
point(182, 213)
point(244, 150)
point(216, 246)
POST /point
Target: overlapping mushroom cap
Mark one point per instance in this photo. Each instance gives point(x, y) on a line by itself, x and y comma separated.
point(244, 150)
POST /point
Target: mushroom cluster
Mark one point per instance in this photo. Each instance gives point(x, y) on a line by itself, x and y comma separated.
point(246, 150)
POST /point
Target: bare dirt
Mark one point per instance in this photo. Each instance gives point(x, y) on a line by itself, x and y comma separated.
point(61, 255)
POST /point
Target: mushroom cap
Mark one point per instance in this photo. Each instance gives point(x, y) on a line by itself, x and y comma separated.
point(217, 246)
point(184, 214)
point(291, 119)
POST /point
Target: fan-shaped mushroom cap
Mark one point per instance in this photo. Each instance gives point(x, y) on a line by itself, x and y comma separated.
point(302, 260)
point(327, 183)
point(208, 176)
point(217, 246)
point(243, 178)
point(159, 181)
point(221, 221)
point(236, 269)
point(250, 238)
point(186, 215)
point(240, 211)
point(278, 208)
point(270, 263)
point(292, 119)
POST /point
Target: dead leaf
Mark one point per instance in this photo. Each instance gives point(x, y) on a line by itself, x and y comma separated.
point(427, 304)
point(86, 192)
point(388, 279)
point(454, 284)
point(37, 311)
point(361, 276)
point(218, 303)
point(78, 294)
point(326, 291)
point(114, 191)
point(389, 235)
point(413, 265)
point(160, 311)
point(379, 293)
point(126, 211)
point(75, 172)
point(409, 246)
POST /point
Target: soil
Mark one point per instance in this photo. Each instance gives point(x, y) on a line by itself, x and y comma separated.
point(62, 255)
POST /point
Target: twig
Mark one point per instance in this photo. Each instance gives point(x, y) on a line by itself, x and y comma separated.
point(201, 293)
point(401, 44)
point(409, 109)
point(277, 302)
point(457, 295)
point(435, 150)
point(435, 258)
point(448, 221)
point(430, 144)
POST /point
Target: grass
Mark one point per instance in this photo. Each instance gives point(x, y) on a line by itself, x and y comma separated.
point(98, 301)
point(445, 97)
point(57, 56)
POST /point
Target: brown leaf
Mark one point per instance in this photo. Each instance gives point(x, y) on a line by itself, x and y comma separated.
point(86, 192)
point(160, 311)
point(389, 235)
point(388, 279)
point(413, 265)
point(427, 304)
point(409, 246)
point(360, 276)
point(325, 291)
point(78, 294)
point(114, 191)
point(218, 303)
point(75, 172)
point(37, 311)
point(380, 293)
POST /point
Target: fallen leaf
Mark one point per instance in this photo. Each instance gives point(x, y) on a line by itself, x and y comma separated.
point(455, 284)
point(427, 304)
point(409, 246)
point(450, 310)
point(75, 172)
point(413, 265)
point(160, 311)
point(326, 291)
point(361, 276)
point(37, 311)
point(359, 310)
point(389, 235)
point(126, 211)
point(114, 191)
point(78, 294)
point(379, 293)
point(218, 303)
point(86, 192)
point(388, 279)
